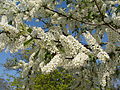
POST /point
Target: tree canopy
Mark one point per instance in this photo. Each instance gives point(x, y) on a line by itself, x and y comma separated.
point(58, 43)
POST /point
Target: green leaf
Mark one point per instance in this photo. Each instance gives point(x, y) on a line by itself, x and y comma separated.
point(10, 22)
point(29, 30)
point(28, 41)
point(36, 54)
point(8, 79)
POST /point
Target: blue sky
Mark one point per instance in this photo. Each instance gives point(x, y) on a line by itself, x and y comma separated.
point(3, 57)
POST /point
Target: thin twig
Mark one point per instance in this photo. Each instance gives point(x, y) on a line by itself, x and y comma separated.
point(71, 17)
point(107, 24)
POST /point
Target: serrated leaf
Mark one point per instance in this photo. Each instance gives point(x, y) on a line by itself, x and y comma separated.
point(28, 41)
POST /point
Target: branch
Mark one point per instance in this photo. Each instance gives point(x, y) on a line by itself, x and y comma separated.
point(107, 24)
point(72, 17)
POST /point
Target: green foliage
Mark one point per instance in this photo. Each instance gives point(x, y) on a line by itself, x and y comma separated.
point(4, 85)
point(57, 80)
point(52, 81)
point(17, 83)
point(118, 9)
point(10, 63)
point(47, 56)
point(29, 30)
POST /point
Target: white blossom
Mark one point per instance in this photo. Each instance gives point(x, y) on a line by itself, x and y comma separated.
point(4, 20)
point(116, 20)
point(55, 16)
point(78, 61)
point(78, 46)
point(96, 48)
point(9, 28)
point(32, 57)
point(103, 55)
point(104, 77)
point(41, 65)
point(53, 64)
point(4, 40)
point(14, 34)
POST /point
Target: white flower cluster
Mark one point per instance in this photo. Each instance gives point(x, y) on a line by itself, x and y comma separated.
point(46, 39)
point(53, 64)
point(72, 46)
point(103, 56)
point(56, 32)
point(39, 2)
point(69, 48)
point(112, 2)
point(75, 54)
point(78, 61)
point(77, 45)
point(3, 41)
point(96, 48)
point(72, 49)
point(14, 46)
point(4, 25)
point(8, 37)
point(104, 79)
point(116, 20)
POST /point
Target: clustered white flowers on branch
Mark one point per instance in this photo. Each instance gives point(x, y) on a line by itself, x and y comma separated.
point(75, 51)
point(96, 48)
point(71, 46)
point(15, 35)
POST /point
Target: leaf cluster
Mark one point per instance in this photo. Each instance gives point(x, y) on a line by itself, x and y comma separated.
point(57, 80)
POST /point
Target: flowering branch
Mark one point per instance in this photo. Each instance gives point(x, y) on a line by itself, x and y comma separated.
point(107, 24)
point(72, 17)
